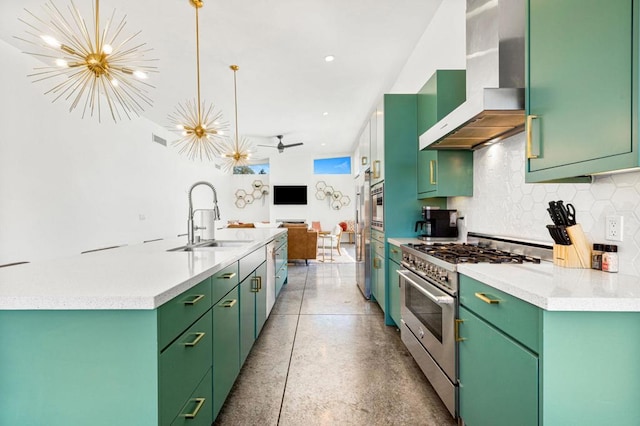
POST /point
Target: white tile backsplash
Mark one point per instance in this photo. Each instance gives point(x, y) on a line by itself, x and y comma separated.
point(503, 204)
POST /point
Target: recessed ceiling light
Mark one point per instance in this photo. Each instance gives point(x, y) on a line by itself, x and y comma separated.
point(323, 144)
point(325, 113)
point(329, 58)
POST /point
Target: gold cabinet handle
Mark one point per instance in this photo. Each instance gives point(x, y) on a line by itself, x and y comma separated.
point(485, 299)
point(227, 276)
point(394, 251)
point(196, 299)
point(195, 341)
point(199, 403)
point(530, 119)
point(229, 303)
point(432, 172)
point(456, 325)
point(364, 161)
point(258, 284)
point(376, 170)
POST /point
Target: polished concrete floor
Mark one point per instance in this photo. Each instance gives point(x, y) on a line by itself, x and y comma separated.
point(325, 357)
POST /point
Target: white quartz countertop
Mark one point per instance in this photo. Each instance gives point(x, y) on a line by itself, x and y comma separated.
point(555, 288)
point(140, 276)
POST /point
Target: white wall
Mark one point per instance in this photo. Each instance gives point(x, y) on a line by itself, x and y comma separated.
point(69, 184)
point(296, 168)
point(442, 46)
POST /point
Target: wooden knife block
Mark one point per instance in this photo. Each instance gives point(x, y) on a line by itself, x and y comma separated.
point(576, 255)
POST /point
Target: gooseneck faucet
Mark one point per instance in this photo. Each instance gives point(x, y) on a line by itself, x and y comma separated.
point(216, 213)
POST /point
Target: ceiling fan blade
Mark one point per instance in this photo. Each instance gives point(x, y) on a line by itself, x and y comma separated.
point(268, 146)
point(292, 144)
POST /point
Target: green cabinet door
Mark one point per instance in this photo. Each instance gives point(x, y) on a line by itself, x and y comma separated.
point(253, 309)
point(226, 347)
point(498, 377)
point(261, 298)
point(247, 289)
point(581, 87)
point(445, 174)
point(393, 279)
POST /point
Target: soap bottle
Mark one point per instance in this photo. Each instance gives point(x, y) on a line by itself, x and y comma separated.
point(610, 258)
point(596, 256)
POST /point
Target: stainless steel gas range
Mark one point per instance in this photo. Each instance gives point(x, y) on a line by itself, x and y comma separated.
point(429, 300)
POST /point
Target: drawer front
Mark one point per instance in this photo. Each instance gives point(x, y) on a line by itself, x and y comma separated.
point(198, 409)
point(181, 311)
point(183, 364)
point(281, 257)
point(281, 277)
point(513, 316)
point(281, 239)
point(395, 254)
point(250, 262)
point(224, 280)
point(226, 347)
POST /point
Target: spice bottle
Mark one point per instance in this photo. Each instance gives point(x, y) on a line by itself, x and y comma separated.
point(610, 258)
point(596, 256)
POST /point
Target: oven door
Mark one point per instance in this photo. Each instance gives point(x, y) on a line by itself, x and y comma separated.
point(429, 313)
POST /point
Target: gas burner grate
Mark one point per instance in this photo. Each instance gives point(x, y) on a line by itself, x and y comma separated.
point(467, 253)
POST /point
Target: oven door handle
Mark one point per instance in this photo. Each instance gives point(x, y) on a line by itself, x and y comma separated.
point(440, 300)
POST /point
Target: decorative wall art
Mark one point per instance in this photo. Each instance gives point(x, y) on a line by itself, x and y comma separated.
point(336, 199)
point(257, 191)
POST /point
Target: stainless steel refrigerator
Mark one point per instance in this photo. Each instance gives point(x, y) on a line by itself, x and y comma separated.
point(363, 232)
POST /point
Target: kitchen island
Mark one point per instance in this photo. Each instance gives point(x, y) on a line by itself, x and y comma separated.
point(134, 335)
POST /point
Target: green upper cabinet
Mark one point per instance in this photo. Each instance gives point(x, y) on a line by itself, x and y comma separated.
point(442, 173)
point(581, 66)
point(442, 93)
point(445, 174)
point(376, 126)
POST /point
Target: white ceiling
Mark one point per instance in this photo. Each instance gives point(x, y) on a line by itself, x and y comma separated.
point(284, 83)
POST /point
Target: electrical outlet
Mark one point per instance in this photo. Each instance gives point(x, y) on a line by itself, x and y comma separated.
point(613, 228)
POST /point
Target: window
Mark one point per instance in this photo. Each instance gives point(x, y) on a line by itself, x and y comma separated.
point(332, 166)
point(252, 169)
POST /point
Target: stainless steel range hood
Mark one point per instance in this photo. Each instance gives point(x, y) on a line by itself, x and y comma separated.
point(494, 108)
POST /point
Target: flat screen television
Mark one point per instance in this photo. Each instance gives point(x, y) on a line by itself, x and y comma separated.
point(289, 194)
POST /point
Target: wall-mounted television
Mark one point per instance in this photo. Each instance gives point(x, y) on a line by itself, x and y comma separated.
point(289, 194)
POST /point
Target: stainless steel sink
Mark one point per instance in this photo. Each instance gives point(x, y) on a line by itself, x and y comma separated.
point(213, 245)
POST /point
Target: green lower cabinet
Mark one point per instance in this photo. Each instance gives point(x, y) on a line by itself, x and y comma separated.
point(61, 368)
point(226, 347)
point(393, 301)
point(498, 377)
point(261, 298)
point(253, 309)
point(197, 410)
point(182, 366)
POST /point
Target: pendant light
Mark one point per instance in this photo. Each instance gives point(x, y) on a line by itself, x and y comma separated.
point(106, 67)
point(200, 128)
point(236, 151)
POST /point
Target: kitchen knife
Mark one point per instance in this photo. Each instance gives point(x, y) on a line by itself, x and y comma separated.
point(564, 236)
point(562, 211)
point(553, 216)
point(556, 213)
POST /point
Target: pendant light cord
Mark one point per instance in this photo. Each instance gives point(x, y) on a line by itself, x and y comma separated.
point(235, 97)
point(198, 62)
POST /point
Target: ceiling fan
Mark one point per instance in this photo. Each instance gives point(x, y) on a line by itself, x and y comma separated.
point(280, 147)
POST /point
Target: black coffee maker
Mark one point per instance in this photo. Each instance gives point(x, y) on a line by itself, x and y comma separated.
point(438, 223)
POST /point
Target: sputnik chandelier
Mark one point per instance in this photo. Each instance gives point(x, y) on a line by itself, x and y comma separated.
point(200, 131)
point(236, 151)
point(104, 67)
